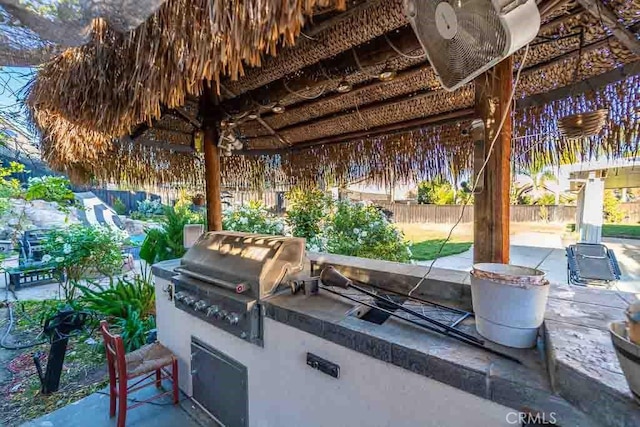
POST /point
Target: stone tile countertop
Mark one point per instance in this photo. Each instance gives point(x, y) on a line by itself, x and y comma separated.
point(573, 372)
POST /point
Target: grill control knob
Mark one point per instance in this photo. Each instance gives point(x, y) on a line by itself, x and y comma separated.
point(201, 305)
point(213, 311)
point(232, 318)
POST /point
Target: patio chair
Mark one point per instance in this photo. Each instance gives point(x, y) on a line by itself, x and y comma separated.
point(591, 264)
point(31, 270)
point(142, 364)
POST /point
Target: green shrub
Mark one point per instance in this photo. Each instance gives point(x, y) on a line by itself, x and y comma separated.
point(122, 297)
point(81, 252)
point(133, 330)
point(436, 192)
point(362, 230)
point(10, 187)
point(148, 208)
point(611, 208)
point(167, 242)
point(119, 206)
point(252, 218)
point(51, 189)
point(306, 212)
point(547, 199)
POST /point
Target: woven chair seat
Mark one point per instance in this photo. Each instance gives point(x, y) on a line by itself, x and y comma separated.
point(147, 359)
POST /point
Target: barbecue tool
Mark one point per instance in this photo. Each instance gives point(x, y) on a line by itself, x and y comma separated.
point(331, 277)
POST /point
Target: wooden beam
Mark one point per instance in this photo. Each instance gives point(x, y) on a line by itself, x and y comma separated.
point(548, 7)
point(378, 84)
point(210, 113)
point(391, 129)
point(491, 205)
point(183, 114)
point(603, 13)
point(375, 52)
point(212, 179)
point(582, 86)
point(369, 86)
point(162, 145)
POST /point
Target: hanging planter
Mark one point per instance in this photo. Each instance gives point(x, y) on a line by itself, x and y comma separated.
point(583, 125)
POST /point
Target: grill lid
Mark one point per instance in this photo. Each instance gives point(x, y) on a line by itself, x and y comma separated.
point(232, 259)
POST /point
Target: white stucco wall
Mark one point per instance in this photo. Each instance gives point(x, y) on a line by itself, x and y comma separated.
point(284, 391)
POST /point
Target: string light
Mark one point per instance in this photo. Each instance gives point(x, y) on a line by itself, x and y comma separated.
point(387, 74)
point(344, 86)
point(278, 109)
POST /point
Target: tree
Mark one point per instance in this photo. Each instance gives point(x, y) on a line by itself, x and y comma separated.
point(611, 208)
point(436, 192)
point(539, 185)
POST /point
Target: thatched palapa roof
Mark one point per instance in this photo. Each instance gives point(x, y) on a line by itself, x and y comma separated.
point(125, 107)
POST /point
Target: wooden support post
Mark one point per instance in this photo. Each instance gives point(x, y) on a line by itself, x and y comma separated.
point(491, 206)
point(212, 179)
point(209, 111)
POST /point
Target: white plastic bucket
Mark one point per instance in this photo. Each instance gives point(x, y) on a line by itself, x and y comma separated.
point(509, 302)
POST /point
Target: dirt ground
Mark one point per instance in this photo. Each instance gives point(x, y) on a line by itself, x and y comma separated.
point(83, 370)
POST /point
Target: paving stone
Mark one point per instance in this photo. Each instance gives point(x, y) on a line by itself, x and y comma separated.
point(582, 314)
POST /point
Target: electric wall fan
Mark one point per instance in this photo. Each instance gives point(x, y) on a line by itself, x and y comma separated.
point(463, 38)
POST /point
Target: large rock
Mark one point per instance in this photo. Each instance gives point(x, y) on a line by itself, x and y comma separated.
point(26, 215)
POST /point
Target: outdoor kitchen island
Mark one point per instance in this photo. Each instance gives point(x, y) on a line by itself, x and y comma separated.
point(389, 374)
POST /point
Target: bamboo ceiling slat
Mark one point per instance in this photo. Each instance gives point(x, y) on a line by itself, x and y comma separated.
point(373, 19)
point(81, 109)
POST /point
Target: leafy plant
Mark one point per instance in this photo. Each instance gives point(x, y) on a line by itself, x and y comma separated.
point(252, 218)
point(362, 230)
point(167, 242)
point(122, 297)
point(134, 329)
point(148, 208)
point(612, 210)
point(306, 211)
point(119, 206)
point(436, 192)
point(51, 189)
point(546, 199)
point(10, 187)
point(80, 252)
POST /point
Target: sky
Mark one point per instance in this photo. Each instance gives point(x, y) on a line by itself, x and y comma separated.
point(12, 82)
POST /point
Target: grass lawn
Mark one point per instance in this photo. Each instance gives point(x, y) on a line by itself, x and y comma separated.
point(629, 231)
point(428, 249)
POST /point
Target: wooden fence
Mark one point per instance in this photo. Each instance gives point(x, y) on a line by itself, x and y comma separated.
point(449, 214)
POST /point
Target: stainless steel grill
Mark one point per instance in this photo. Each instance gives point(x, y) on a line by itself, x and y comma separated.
point(224, 276)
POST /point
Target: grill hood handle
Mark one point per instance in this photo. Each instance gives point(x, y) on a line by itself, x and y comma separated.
point(332, 277)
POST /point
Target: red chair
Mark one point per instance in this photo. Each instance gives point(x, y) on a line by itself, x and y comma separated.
point(146, 361)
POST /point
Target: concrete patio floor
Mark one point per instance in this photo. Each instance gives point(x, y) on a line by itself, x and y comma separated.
point(93, 411)
point(546, 252)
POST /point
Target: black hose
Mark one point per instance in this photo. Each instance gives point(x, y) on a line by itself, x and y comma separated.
point(6, 334)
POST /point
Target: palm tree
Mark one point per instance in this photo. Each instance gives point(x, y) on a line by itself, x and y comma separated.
point(540, 180)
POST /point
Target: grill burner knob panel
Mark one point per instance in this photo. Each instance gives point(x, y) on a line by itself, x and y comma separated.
point(232, 318)
point(239, 315)
point(213, 310)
